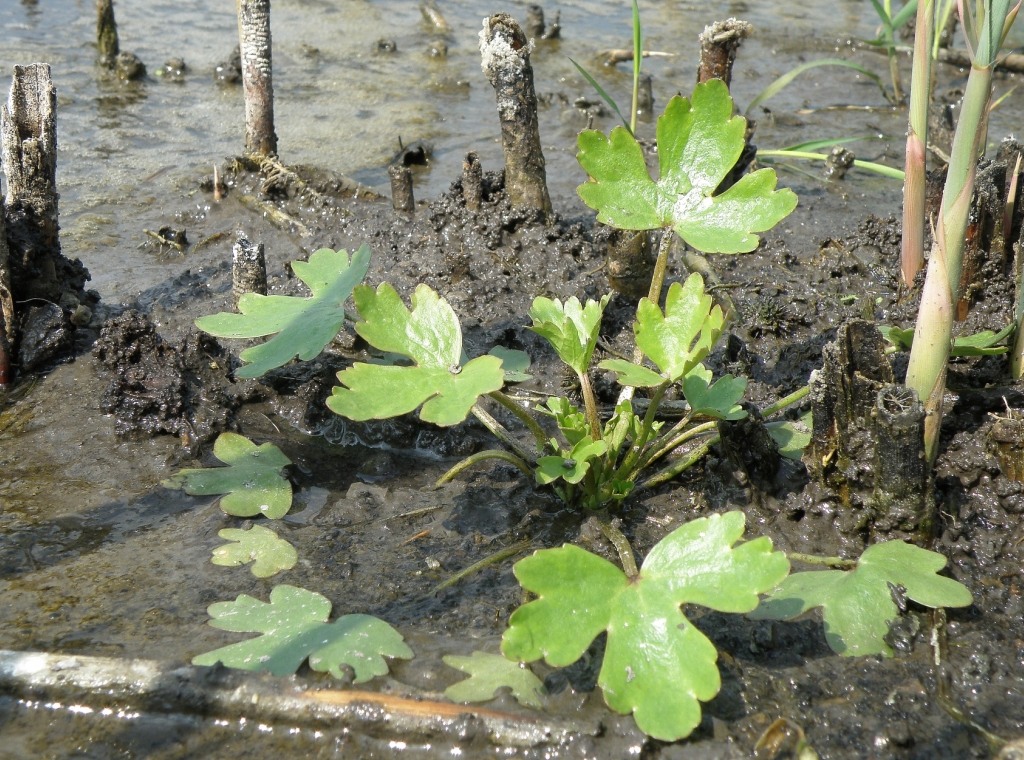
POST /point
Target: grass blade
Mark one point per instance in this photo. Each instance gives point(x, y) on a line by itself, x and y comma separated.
point(778, 84)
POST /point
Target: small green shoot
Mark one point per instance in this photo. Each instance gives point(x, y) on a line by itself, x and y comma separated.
point(303, 326)
point(657, 665)
point(252, 482)
point(857, 605)
point(268, 553)
point(294, 627)
point(490, 672)
point(699, 141)
point(431, 337)
point(570, 328)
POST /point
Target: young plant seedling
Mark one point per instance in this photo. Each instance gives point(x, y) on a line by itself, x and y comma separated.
point(857, 603)
point(657, 665)
point(252, 483)
point(303, 326)
point(294, 627)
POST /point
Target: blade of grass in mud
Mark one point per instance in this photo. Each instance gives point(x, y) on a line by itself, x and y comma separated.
point(638, 51)
point(604, 95)
point(871, 166)
point(781, 82)
point(816, 145)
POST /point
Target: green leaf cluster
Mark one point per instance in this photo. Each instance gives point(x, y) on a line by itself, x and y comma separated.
point(857, 605)
point(657, 665)
point(303, 326)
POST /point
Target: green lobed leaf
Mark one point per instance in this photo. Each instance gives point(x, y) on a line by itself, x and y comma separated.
point(857, 605)
point(791, 436)
point(490, 672)
point(699, 141)
point(632, 375)
point(252, 482)
point(657, 665)
point(571, 328)
point(294, 627)
point(685, 333)
point(720, 399)
point(573, 466)
point(303, 326)
point(431, 337)
point(268, 553)
point(514, 363)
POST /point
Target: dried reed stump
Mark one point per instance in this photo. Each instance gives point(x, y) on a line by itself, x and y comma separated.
point(257, 79)
point(505, 59)
point(718, 45)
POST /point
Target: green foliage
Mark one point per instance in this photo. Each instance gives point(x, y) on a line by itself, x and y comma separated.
point(699, 141)
point(252, 482)
point(573, 465)
point(983, 343)
point(657, 665)
point(303, 326)
point(430, 336)
point(857, 605)
point(571, 328)
point(294, 627)
point(268, 553)
point(490, 672)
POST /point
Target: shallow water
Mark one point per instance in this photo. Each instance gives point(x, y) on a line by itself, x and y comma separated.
point(126, 148)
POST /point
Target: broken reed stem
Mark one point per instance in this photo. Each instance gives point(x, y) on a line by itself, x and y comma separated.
point(472, 181)
point(257, 80)
point(106, 32)
point(914, 185)
point(718, 45)
point(401, 188)
point(248, 268)
point(505, 59)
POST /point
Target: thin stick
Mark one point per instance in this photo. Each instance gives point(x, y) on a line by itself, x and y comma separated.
point(493, 559)
point(622, 547)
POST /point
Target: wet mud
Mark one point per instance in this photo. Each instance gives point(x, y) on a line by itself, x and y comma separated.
point(98, 559)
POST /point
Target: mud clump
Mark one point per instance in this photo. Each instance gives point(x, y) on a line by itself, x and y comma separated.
point(158, 386)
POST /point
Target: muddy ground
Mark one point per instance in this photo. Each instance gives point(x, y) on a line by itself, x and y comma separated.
point(103, 561)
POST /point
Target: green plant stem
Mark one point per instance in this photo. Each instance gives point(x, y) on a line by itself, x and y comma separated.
point(481, 456)
point(622, 547)
point(522, 415)
point(638, 54)
point(666, 474)
point(786, 401)
point(498, 431)
point(912, 249)
point(679, 434)
point(498, 556)
point(814, 559)
point(590, 405)
point(661, 266)
point(882, 169)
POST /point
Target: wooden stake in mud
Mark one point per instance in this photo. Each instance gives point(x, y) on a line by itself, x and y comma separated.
point(505, 59)
point(718, 45)
point(534, 22)
point(106, 32)
point(257, 82)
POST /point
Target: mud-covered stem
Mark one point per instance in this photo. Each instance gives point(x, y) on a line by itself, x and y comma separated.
point(679, 434)
point(498, 431)
point(646, 429)
point(622, 547)
point(680, 465)
point(814, 559)
point(522, 415)
point(912, 250)
point(493, 559)
point(665, 246)
point(482, 456)
point(786, 401)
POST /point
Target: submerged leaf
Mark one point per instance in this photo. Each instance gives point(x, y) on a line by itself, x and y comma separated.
point(268, 553)
point(304, 326)
point(252, 482)
point(431, 337)
point(657, 665)
point(490, 672)
point(699, 141)
point(857, 605)
point(294, 627)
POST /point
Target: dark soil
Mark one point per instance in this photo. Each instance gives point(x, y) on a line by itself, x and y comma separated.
point(375, 538)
